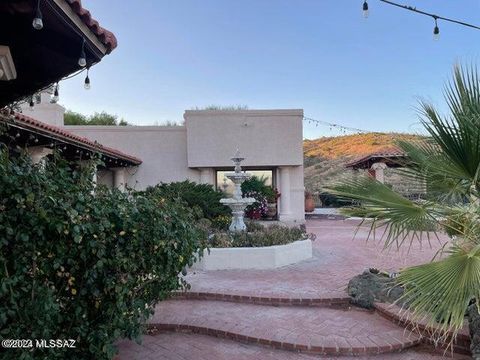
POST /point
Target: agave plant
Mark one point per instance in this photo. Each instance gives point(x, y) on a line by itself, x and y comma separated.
point(447, 165)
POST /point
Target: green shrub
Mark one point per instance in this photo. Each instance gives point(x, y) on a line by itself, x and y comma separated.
point(254, 226)
point(82, 264)
point(258, 185)
point(222, 222)
point(201, 197)
point(330, 200)
point(264, 236)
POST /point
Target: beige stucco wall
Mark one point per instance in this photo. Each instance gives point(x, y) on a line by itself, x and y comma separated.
point(161, 148)
point(266, 138)
point(47, 112)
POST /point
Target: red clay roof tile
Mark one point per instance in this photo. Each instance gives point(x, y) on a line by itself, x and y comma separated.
point(92, 145)
point(105, 36)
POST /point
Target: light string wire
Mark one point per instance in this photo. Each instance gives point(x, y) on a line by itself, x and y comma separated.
point(341, 128)
point(434, 16)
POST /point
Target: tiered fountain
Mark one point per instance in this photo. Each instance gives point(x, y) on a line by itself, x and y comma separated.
point(237, 203)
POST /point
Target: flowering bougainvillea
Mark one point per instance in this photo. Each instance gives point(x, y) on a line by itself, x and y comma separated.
point(259, 208)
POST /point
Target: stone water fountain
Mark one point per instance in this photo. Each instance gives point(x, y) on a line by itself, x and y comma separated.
point(237, 203)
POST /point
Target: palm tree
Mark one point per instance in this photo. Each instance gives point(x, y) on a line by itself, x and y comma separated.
point(447, 165)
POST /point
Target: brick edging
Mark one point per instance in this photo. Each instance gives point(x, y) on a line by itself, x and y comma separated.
point(334, 302)
point(354, 348)
point(390, 312)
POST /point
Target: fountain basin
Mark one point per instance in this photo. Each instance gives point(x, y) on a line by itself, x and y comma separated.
point(259, 258)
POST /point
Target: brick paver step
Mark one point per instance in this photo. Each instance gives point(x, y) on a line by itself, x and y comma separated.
point(325, 331)
point(180, 346)
point(403, 317)
point(275, 300)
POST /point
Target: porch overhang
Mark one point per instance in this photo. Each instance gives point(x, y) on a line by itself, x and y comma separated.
point(18, 132)
point(42, 57)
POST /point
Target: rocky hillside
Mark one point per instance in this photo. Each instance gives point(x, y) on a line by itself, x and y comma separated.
point(325, 158)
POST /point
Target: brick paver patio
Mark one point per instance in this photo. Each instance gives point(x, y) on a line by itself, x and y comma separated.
point(319, 329)
point(337, 257)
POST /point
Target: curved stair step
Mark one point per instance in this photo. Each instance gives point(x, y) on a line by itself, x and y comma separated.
point(325, 331)
point(400, 316)
point(273, 300)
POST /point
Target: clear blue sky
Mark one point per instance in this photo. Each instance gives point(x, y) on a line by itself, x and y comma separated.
point(319, 55)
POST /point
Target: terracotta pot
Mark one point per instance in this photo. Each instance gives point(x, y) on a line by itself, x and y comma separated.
point(272, 210)
point(309, 204)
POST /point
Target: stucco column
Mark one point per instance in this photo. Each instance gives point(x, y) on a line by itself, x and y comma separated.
point(37, 153)
point(285, 204)
point(206, 176)
point(379, 168)
point(119, 178)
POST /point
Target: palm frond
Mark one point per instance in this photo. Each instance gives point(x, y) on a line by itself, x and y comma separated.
point(399, 217)
point(434, 173)
point(440, 292)
point(458, 136)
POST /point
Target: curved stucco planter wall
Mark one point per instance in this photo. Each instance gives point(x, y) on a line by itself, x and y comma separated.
point(268, 257)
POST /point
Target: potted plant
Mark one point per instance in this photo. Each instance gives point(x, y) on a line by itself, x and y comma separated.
point(272, 195)
point(309, 202)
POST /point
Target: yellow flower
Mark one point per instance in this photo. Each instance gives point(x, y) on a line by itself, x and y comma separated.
point(74, 292)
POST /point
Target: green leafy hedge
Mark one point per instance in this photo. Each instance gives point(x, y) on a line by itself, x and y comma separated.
point(82, 264)
point(202, 198)
point(258, 235)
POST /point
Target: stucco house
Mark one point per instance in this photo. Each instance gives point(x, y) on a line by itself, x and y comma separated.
point(200, 150)
point(135, 156)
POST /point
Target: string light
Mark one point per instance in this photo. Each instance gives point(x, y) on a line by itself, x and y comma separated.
point(436, 29)
point(86, 85)
point(55, 96)
point(341, 128)
point(365, 9)
point(82, 60)
point(38, 19)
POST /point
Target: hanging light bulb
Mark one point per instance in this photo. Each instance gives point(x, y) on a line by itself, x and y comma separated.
point(38, 19)
point(365, 9)
point(86, 85)
point(82, 60)
point(31, 104)
point(436, 31)
point(55, 96)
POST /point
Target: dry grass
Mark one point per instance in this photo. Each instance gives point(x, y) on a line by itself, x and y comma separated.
point(352, 145)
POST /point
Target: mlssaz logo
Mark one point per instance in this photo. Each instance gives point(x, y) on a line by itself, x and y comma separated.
point(42, 343)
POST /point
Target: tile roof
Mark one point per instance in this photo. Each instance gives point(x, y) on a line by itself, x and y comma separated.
point(105, 36)
point(390, 152)
point(71, 137)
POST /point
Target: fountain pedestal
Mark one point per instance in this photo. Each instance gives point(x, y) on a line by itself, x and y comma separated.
point(237, 203)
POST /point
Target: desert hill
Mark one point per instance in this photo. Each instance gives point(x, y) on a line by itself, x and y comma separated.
point(325, 158)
